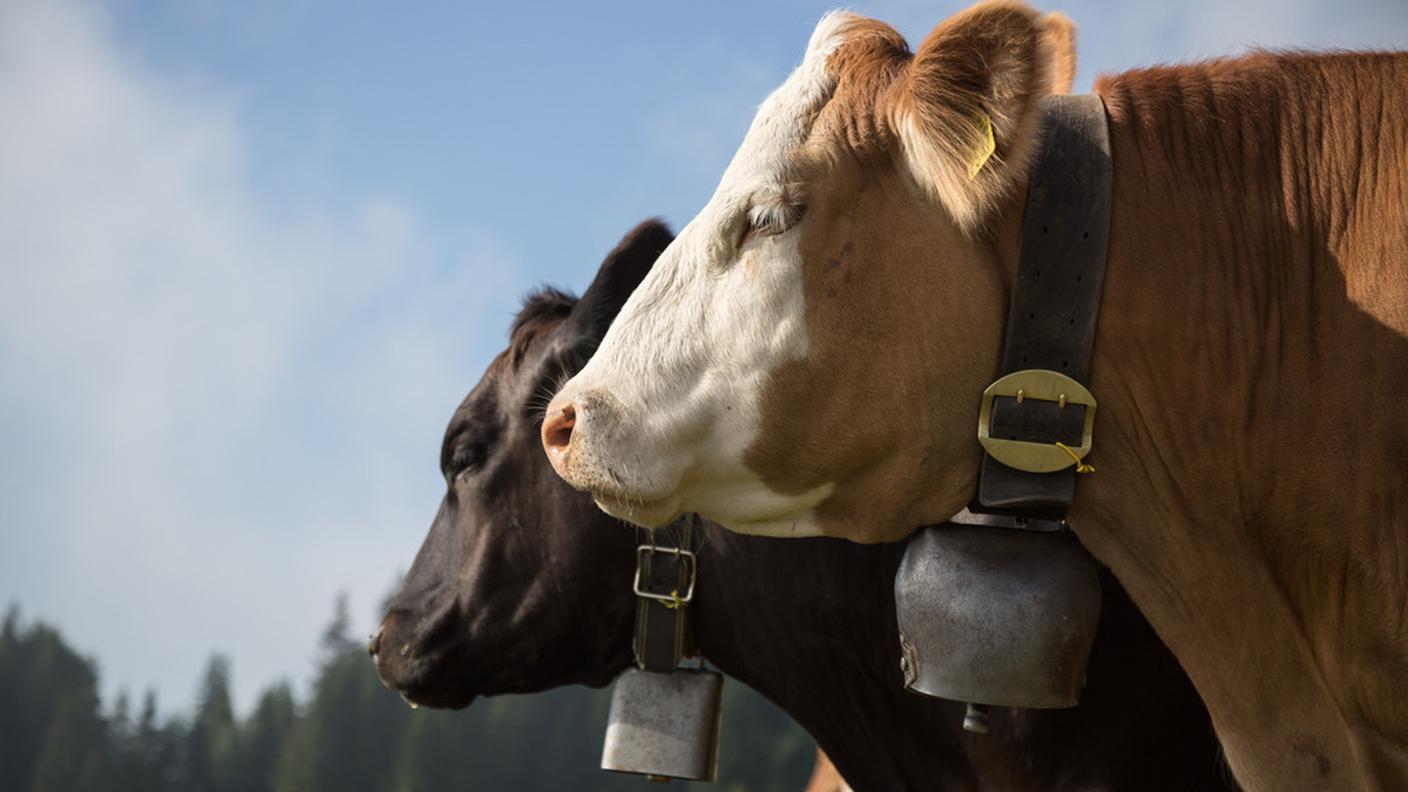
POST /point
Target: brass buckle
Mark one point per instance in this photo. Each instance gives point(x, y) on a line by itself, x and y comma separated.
point(1026, 455)
point(674, 598)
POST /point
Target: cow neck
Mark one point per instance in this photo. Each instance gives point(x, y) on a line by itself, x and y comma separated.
point(1036, 418)
point(810, 624)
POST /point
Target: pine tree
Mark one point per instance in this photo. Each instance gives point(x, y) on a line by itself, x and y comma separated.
point(156, 750)
point(64, 692)
point(350, 734)
point(123, 755)
point(12, 623)
point(73, 758)
point(211, 747)
point(337, 636)
point(263, 736)
point(53, 736)
point(18, 742)
point(120, 722)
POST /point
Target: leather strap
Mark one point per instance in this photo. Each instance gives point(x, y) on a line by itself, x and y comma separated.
point(1055, 298)
point(664, 630)
point(1016, 522)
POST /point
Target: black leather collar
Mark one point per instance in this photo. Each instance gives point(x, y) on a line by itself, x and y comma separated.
point(1055, 304)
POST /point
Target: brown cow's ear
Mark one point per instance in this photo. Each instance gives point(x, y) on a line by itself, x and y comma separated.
point(1058, 35)
point(967, 117)
point(620, 273)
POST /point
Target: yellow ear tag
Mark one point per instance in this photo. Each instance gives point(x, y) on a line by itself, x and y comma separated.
point(986, 145)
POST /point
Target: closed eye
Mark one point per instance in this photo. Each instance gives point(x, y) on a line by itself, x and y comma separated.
point(771, 220)
point(468, 451)
point(472, 435)
point(466, 457)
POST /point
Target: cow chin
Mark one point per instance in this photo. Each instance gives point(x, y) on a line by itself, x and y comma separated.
point(729, 494)
point(439, 680)
point(624, 495)
point(758, 513)
point(648, 514)
point(439, 697)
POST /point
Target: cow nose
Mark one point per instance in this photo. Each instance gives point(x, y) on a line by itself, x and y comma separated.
point(557, 433)
point(390, 670)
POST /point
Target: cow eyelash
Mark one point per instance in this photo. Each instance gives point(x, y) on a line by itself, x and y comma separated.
point(772, 220)
point(466, 457)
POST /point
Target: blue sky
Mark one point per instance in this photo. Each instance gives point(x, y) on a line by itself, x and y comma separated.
point(253, 254)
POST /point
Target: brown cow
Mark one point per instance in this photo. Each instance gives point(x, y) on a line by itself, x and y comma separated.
point(807, 357)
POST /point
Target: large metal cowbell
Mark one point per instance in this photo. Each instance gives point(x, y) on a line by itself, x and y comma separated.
point(993, 616)
point(664, 720)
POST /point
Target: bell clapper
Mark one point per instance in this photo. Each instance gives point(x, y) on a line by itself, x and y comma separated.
point(975, 719)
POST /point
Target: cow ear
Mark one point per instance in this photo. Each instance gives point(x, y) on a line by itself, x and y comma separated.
point(1058, 35)
point(967, 117)
point(621, 272)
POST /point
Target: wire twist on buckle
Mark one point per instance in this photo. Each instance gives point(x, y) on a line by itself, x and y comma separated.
point(674, 599)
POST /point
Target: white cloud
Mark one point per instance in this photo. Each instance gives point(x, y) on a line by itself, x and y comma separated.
point(243, 404)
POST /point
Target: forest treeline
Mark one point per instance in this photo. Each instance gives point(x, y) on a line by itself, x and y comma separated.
point(352, 734)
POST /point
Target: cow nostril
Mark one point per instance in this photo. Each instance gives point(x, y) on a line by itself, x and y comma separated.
point(557, 430)
point(374, 645)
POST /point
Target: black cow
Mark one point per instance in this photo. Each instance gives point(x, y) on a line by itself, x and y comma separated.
point(523, 585)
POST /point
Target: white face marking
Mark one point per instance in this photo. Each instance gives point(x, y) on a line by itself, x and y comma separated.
point(670, 403)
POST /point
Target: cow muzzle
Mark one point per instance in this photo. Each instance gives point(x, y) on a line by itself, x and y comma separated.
point(593, 448)
point(420, 677)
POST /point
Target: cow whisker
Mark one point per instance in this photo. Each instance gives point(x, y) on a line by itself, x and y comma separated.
point(542, 397)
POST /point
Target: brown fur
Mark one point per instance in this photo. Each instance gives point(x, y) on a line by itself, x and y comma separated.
point(997, 59)
point(1252, 355)
point(1259, 267)
point(1059, 37)
point(871, 313)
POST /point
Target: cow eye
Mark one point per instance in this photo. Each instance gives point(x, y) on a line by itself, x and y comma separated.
point(772, 220)
point(467, 456)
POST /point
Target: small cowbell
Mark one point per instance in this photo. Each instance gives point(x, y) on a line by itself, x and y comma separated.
point(996, 616)
point(665, 725)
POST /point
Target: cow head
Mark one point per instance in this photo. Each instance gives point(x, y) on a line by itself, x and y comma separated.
point(807, 357)
point(507, 594)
